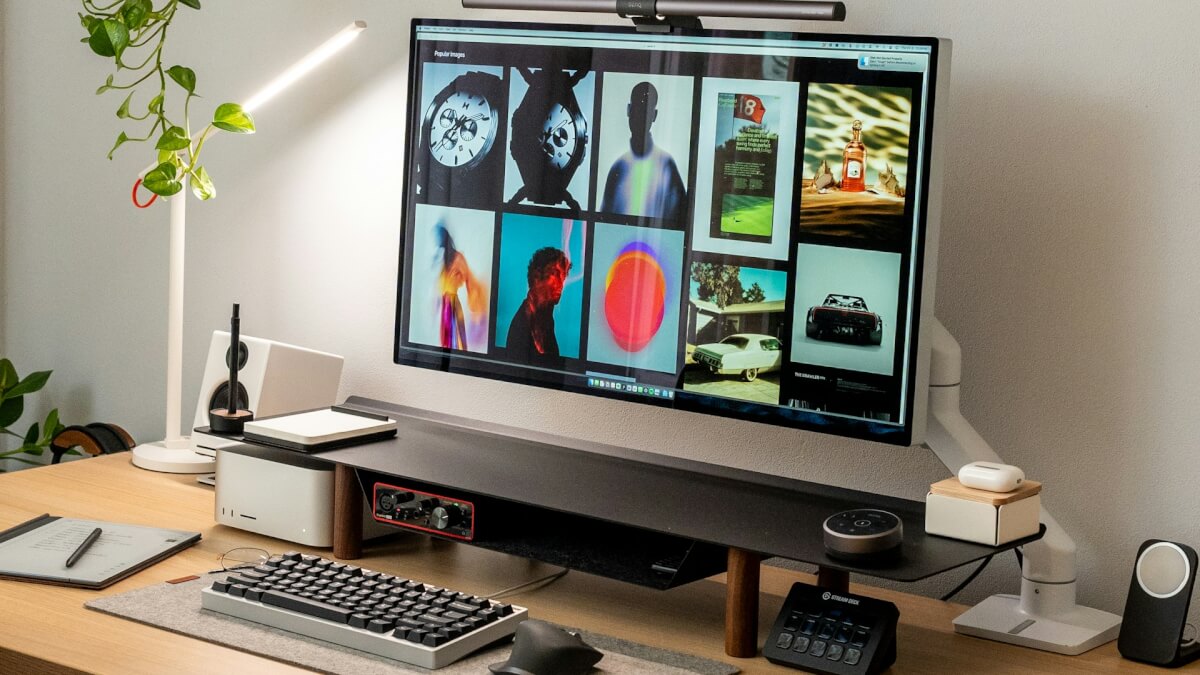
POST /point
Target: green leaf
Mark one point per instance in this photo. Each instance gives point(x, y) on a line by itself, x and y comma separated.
point(161, 180)
point(33, 448)
point(156, 104)
point(51, 427)
point(32, 382)
point(184, 77)
point(165, 156)
point(202, 185)
point(108, 83)
point(8, 375)
point(135, 13)
point(109, 38)
point(11, 410)
point(123, 111)
point(230, 117)
point(31, 437)
point(194, 4)
point(173, 139)
point(88, 22)
point(120, 141)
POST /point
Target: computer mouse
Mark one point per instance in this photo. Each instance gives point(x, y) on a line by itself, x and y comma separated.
point(543, 649)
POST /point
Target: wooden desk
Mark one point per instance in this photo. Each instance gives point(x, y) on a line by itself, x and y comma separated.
point(47, 629)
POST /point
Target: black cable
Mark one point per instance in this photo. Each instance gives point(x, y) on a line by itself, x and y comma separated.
point(968, 580)
point(1020, 558)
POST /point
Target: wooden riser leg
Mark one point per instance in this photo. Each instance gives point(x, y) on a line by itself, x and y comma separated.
point(347, 514)
point(837, 581)
point(741, 604)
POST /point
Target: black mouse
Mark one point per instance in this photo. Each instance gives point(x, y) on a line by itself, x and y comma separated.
point(543, 649)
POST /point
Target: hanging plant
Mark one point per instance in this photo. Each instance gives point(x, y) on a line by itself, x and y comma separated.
point(132, 34)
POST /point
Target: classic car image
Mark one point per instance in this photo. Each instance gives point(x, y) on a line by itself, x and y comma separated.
point(745, 354)
point(844, 317)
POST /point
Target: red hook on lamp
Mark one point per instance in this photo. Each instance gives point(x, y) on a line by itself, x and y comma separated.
point(137, 184)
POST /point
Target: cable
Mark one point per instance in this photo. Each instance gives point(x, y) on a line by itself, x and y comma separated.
point(968, 580)
point(544, 581)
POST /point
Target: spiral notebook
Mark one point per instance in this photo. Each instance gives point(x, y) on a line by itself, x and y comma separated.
point(37, 550)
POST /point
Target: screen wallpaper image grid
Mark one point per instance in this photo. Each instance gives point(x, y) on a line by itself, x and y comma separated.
point(856, 189)
point(550, 136)
point(736, 326)
point(633, 318)
point(856, 288)
point(539, 294)
point(450, 298)
point(644, 145)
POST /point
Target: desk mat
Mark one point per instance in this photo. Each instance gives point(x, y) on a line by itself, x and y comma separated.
point(176, 607)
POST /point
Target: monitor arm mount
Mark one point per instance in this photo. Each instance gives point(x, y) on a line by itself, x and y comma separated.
point(1044, 616)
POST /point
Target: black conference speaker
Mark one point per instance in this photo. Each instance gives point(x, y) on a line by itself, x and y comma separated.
point(1157, 606)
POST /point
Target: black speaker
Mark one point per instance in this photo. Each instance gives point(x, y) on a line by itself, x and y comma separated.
point(1156, 608)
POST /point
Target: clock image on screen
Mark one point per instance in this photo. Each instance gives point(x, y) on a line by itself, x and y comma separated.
point(549, 137)
point(458, 133)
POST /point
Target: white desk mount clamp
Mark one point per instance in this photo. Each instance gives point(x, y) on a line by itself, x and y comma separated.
point(1045, 615)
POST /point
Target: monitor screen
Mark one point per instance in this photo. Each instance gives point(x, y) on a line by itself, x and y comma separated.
point(724, 222)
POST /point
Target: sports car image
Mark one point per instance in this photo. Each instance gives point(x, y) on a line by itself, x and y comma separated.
point(844, 318)
point(745, 354)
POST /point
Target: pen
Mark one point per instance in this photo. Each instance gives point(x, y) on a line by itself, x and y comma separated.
point(87, 543)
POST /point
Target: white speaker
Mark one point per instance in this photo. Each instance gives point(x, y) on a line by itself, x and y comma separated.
point(273, 379)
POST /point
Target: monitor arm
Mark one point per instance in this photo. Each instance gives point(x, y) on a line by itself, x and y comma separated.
point(1045, 615)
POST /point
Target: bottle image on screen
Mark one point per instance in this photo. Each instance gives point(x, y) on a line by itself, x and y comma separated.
point(854, 162)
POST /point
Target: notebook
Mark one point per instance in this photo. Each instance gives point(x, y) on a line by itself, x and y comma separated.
point(322, 429)
point(37, 550)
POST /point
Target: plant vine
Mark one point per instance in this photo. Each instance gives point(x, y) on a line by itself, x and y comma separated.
point(133, 33)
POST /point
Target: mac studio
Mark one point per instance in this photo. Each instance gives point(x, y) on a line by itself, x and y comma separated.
point(1043, 234)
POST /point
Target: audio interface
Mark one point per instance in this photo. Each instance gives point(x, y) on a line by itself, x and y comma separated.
point(424, 511)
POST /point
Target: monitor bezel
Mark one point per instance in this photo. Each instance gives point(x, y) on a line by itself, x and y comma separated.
point(912, 430)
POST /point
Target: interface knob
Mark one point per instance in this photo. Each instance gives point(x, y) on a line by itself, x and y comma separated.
point(445, 517)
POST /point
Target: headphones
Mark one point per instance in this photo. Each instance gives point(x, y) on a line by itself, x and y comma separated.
point(97, 438)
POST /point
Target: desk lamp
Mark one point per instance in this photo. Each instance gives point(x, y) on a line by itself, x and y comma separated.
point(174, 454)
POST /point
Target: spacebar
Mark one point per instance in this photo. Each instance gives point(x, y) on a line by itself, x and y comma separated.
point(306, 606)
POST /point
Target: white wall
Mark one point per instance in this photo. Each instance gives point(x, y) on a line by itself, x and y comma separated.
point(1067, 248)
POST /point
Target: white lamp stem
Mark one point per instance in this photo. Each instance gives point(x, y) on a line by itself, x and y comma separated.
point(175, 260)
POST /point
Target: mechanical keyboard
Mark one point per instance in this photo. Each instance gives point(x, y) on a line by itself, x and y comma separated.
point(363, 609)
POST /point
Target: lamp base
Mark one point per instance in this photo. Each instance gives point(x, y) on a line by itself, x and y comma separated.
point(176, 456)
point(1000, 618)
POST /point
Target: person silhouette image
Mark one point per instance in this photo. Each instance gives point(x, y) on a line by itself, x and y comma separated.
point(645, 180)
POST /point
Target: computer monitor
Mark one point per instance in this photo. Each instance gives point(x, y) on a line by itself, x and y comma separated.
point(726, 222)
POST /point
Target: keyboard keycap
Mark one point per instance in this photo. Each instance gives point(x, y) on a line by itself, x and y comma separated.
point(380, 625)
point(435, 639)
point(852, 657)
point(784, 641)
point(801, 644)
point(818, 648)
point(320, 610)
point(359, 620)
point(835, 652)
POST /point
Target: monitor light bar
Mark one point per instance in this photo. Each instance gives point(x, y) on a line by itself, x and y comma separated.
point(799, 10)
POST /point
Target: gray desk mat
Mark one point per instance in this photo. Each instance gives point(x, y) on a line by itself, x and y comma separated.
point(176, 607)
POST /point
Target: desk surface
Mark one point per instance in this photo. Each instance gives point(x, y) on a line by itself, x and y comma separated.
point(47, 629)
